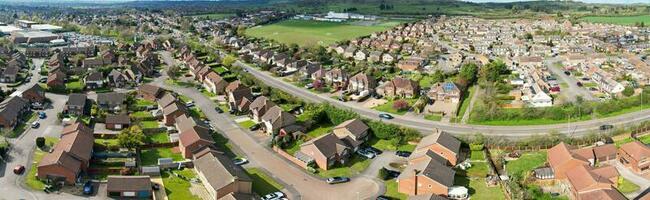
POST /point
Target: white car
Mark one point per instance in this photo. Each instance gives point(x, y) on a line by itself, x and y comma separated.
point(189, 104)
point(273, 196)
point(240, 161)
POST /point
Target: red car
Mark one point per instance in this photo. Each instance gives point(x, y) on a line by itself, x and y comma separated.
point(19, 169)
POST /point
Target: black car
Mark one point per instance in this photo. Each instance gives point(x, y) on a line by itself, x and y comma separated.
point(218, 110)
point(606, 127)
point(405, 154)
point(567, 73)
point(155, 186)
point(579, 84)
point(254, 127)
point(382, 198)
point(392, 173)
point(88, 188)
point(385, 116)
point(337, 179)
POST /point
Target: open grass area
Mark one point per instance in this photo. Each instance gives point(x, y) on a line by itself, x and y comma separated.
point(320, 129)
point(263, 183)
point(161, 137)
point(478, 189)
point(391, 191)
point(75, 85)
point(388, 107)
point(620, 20)
point(176, 187)
point(30, 179)
point(144, 103)
point(467, 98)
point(478, 169)
point(149, 124)
point(477, 155)
point(150, 156)
point(353, 167)
point(386, 145)
point(306, 33)
point(196, 112)
point(433, 117)
point(526, 163)
point(247, 124)
point(625, 186)
point(141, 114)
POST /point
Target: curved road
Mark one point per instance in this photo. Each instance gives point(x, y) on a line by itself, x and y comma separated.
point(426, 126)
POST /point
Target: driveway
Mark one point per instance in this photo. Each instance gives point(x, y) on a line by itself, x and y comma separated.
point(626, 173)
point(294, 178)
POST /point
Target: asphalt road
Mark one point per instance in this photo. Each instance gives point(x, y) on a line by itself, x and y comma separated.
point(427, 127)
point(304, 186)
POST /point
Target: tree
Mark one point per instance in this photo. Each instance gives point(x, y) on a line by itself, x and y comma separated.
point(400, 105)
point(173, 71)
point(228, 60)
point(468, 74)
point(131, 138)
point(628, 91)
point(40, 142)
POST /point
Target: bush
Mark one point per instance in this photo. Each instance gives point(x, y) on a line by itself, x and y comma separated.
point(476, 147)
point(40, 142)
point(383, 174)
point(400, 105)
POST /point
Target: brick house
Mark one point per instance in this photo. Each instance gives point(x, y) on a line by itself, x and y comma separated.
point(399, 87)
point(35, 95)
point(275, 118)
point(11, 110)
point(117, 122)
point(443, 144)
point(563, 158)
point(636, 156)
point(69, 157)
point(76, 104)
point(214, 83)
point(259, 107)
point(172, 111)
point(221, 177)
point(326, 150)
point(129, 187)
point(430, 177)
point(352, 132)
point(149, 92)
point(586, 183)
point(194, 139)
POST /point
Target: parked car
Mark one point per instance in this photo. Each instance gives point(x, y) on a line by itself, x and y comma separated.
point(189, 104)
point(155, 186)
point(337, 179)
point(392, 173)
point(218, 110)
point(240, 161)
point(273, 196)
point(42, 80)
point(374, 150)
point(579, 84)
point(309, 86)
point(606, 127)
point(254, 127)
point(405, 154)
point(42, 115)
point(568, 73)
point(382, 198)
point(585, 79)
point(385, 116)
point(19, 169)
point(88, 188)
point(36, 124)
point(366, 153)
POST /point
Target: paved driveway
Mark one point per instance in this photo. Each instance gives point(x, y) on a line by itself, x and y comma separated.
point(626, 173)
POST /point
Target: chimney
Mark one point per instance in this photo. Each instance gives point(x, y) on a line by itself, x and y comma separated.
point(415, 173)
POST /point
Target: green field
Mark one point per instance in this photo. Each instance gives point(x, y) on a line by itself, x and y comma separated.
point(305, 33)
point(620, 20)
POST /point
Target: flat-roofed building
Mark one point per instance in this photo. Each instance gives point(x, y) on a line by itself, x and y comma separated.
point(31, 37)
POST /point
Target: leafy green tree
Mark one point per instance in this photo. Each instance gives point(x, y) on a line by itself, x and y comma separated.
point(628, 91)
point(228, 60)
point(173, 71)
point(131, 137)
point(467, 74)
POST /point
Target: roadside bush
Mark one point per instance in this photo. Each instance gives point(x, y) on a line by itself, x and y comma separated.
point(40, 142)
point(400, 105)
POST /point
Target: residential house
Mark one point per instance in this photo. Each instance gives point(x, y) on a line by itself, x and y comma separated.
point(56, 80)
point(336, 77)
point(213, 83)
point(139, 187)
point(411, 64)
point(37, 52)
point(117, 122)
point(76, 104)
point(430, 177)
point(349, 52)
point(361, 55)
point(399, 87)
point(275, 118)
point(221, 177)
point(387, 58)
point(11, 110)
point(35, 95)
point(172, 111)
point(118, 79)
point(352, 132)
point(361, 83)
point(239, 96)
point(9, 74)
point(68, 158)
point(112, 100)
point(446, 92)
point(149, 92)
point(586, 182)
point(375, 57)
point(92, 63)
point(259, 107)
point(326, 150)
point(563, 158)
point(636, 156)
point(194, 139)
point(443, 144)
point(94, 80)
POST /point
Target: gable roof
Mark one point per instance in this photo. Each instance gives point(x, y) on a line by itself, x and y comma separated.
point(166, 99)
point(260, 103)
point(77, 143)
point(562, 153)
point(277, 116)
point(77, 99)
point(118, 119)
point(433, 169)
point(582, 178)
point(219, 170)
point(185, 122)
point(194, 135)
point(77, 126)
point(61, 158)
point(10, 108)
point(128, 183)
point(443, 138)
point(150, 89)
point(354, 126)
point(636, 150)
point(327, 145)
point(111, 97)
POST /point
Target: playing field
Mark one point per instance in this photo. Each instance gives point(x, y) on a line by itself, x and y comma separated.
point(305, 33)
point(622, 20)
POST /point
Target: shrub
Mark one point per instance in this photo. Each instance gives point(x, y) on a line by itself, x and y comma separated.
point(383, 174)
point(40, 142)
point(476, 147)
point(400, 105)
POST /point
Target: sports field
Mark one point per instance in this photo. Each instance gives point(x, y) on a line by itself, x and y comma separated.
point(305, 33)
point(621, 20)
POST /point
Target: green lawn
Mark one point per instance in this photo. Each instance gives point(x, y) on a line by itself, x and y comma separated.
point(626, 186)
point(620, 20)
point(176, 187)
point(306, 33)
point(433, 117)
point(150, 124)
point(391, 191)
point(107, 142)
point(478, 189)
point(263, 183)
point(478, 170)
point(527, 162)
point(184, 98)
point(247, 124)
point(386, 145)
point(150, 156)
point(353, 167)
point(196, 112)
point(30, 179)
point(161, 137)
point(207, 94)
point(645, 139)
point(75, 85)
point(388, 107)
point(467, 98)
point(141, 114)
point(144, 103)
point(477, 155)
point(320, 129)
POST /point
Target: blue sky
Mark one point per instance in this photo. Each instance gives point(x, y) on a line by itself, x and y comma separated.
point(586, 1)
